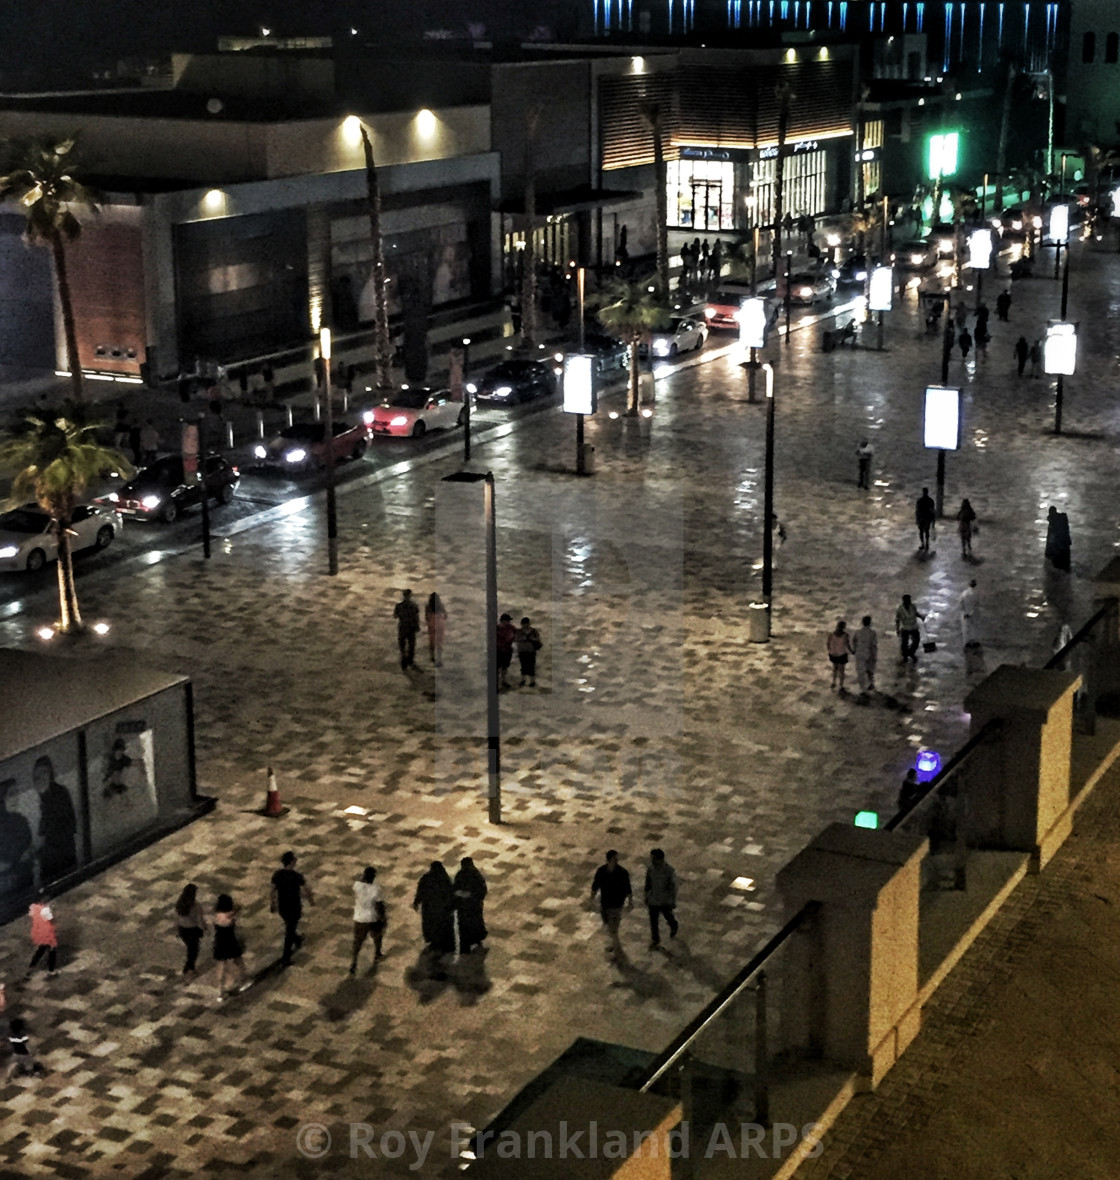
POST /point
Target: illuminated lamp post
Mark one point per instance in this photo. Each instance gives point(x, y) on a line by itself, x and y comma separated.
point(1059, 235)
point(1059, 358)
point(941, 430)
point(328, 435)
point(580, 399)
point(789, 289)
point(880, 292)
point(980, 257)
point(752, 336)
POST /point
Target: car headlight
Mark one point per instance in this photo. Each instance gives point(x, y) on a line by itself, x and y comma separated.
point(9, 551)
point(367, 417)
point(710, 313)
point(399, 420)
point(471, 387)
point(861, 276)
point(113, 498)
point(151, 502)
point(260, 453)
point(295, 455)
point(661, 347)
point(501, 391)
point(917, 259)
point(804, 292)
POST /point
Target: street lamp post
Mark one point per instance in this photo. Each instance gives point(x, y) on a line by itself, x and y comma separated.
point(201, 476)
point(789, 292)
point(466, 401)
point(581, 461)
point(493, 718)
point(328, 434)
point(768, 496)
point(1059, 358)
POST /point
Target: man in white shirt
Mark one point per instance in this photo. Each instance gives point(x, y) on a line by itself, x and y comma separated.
point(969, 606)
point(369, 916)
point(865, 649)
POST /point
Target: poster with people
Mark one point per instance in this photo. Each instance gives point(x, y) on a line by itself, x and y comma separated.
point(122, 791)
point(40, 805)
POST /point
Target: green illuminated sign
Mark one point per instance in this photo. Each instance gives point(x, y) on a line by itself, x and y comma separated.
point(867, 819)
point(943, 152)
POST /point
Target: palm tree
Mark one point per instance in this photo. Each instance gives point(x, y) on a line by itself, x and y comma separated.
point(632, 311)
point(651, 112)
point(529, 255)
point(783, 92)
point(56, 457)
point(36, 172)
point(382, 345)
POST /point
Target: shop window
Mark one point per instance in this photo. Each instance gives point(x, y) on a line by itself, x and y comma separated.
point(1088, 48)
point(1112, 48)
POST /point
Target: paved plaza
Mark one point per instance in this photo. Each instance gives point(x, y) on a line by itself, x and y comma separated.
point(655, 722)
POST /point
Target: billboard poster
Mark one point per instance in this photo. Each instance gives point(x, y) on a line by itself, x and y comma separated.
point(122, 786)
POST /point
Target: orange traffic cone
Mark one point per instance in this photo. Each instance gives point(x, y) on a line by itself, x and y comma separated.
point(272, 805)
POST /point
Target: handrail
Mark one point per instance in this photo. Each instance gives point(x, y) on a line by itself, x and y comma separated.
point(988, 730)
point(716, 1006)
point(1060, 656)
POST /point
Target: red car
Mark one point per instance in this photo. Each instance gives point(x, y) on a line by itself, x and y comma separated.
point(305, 445)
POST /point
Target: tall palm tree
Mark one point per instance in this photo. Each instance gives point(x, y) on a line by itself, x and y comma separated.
point(36, 172)
point(632, 311)
point(651, 112)
point(56, 458)
point(382, 345)
point(783, 92)
point(529, 254)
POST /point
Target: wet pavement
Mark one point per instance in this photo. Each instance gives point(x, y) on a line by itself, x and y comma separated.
point(655, 722)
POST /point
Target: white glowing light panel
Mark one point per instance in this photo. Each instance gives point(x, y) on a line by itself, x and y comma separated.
point(942, 421)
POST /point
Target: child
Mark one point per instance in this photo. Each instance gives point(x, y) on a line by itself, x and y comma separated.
point(23, 1060)
point(44, 937)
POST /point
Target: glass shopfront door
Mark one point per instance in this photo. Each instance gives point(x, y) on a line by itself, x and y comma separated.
point(706, 202)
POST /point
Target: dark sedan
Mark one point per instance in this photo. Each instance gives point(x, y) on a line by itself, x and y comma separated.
point(305, 445)
point(161, 490)
point(516, 381)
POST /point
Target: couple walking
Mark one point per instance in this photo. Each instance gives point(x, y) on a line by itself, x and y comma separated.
point(407, 614)
point(526, 641)
point(612, 884)
point(444, 904)
point(862, 646)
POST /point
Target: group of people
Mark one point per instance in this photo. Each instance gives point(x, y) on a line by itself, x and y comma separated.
point(862, 646)
point(701, 263)
point(407, 614)
point(451, 917)
point(611, 884)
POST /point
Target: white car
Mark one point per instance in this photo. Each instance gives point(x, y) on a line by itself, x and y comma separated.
point(414, 411)
point(684, 334)
point(27, 541)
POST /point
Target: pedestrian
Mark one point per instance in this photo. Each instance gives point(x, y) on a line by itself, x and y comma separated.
point(189, 925)
point(906, 628)
point(1003, 305)
point(289, 891)
point(982, 314)
point(506, 632)
point(44, 935)
point(470, 893)
point(435, 616)
point(910, 791)
point(983, 339)
point(864, 454)
point(407, 614)
point(612, 883)
point(965, 342)
point(149, 442)
point(717, 260)
point(925, 513)
point(23, 1063)
point(227, 946)
point(1062, 640)
point(268, 379)
point(961, 316)
point(435, 903)
point(704, 264)
point(1036, 357)
point(865, 649)
point(1059, 546)
point(528, 641)
point(966, 527)
point(243, 382)
point(661, 896)
point(1022, 353)
point(969, 606)
point(319, 367)
point(369, 916)
point(839, 645)
point(686, 265)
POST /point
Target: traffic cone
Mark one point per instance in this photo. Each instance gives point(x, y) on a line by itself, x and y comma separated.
point(272, 805)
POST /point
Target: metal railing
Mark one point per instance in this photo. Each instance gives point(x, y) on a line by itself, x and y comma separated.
point(1093, 653)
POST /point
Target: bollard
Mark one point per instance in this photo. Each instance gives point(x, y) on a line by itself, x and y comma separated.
point(260, 424)
point(318, 408)
point(229, 435)
point(288, 407)
point(345, 402)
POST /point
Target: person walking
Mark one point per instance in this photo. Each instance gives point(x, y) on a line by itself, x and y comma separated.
point(965, 520)
point(528, 641)
point(369, 916)
point(435, 615)
point(149, 442)
point(1036, 357)
point(906, 628)
point(865, 649)
point(1003, 305)
point(965, 342)
point(661, 896)
point(864, 454)
point(435, 903)
point(44, 936)
point(23, 1063)
point(1059, 546)
point(407, 614)
point(925, 513)
point(470, 893)
point(839, 644)
point(190, 925)
point(910, 791)
point(289, 891)
point(1022, 354)
point(969, 606)
point(506, 633)
point(227, 946)
point(612, 883)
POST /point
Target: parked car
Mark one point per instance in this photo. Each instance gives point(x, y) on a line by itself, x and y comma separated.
point(916, 254)
point(304, 445)
point(27, 541)
point(852, 272)
point(943, 238)
point(805, 287)
point(414, 410)
point(609, 352)
point(721, 311)
point(684, 334)
point(515, 381)
point(161, 490)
